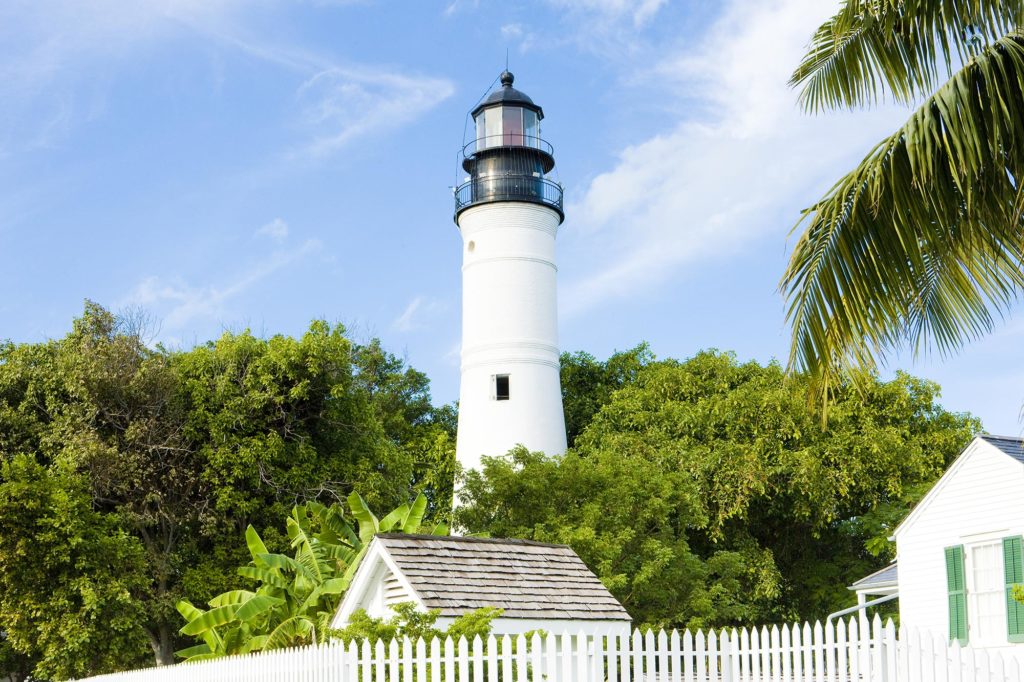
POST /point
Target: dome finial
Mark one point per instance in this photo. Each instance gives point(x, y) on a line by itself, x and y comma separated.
point(507, 78)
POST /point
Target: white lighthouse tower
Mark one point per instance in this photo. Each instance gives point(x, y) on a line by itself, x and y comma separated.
point(509, 213)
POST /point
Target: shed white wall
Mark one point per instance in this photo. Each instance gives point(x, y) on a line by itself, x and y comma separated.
point(384, 592)
point(981, 498)
point(509, 326)
point(376, 587)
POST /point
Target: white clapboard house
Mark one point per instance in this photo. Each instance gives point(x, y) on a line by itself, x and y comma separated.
point(539, 586)
point(959, 552)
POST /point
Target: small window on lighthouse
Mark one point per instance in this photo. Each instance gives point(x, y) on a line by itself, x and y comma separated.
point(501, 387)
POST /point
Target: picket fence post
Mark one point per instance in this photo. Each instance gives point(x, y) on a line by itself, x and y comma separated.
point(689, 656)
point(756, 655)
point(675, 650)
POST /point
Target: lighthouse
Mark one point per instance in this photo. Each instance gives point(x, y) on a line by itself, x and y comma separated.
point(508, 212)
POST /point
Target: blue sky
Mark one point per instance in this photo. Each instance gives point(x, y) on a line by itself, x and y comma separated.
point(229, 164)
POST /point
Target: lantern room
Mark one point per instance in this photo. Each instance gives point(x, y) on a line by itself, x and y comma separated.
point(507, 118)
point(507, 160)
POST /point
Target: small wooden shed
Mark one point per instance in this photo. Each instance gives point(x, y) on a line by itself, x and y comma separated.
point(539, 586)
point(960, 551)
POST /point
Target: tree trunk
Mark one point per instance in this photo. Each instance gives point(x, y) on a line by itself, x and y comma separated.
point(162, 644)
point(166, 654)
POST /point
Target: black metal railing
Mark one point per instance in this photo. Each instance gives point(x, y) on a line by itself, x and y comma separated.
point(512, 140)
point(528, 188)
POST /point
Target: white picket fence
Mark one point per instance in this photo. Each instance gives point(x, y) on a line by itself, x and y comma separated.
point(798, 653)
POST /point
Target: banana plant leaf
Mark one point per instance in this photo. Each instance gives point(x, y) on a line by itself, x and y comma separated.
point(255, 544)
point(395, 520)
point(414, 519)
point(211, 619)
point(257, 605)
point(368, 523)
point(232, 597)
point(264, 575)
point(286, 634)
point(193, 651)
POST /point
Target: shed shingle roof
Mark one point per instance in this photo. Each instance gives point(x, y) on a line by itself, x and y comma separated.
point(1014, 447)
point(527, 579)
point(885, 576)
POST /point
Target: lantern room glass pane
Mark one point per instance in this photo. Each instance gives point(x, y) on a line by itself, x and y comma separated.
point(531, 128)
point(512, 125)
point(481, 131)
point(492, 127)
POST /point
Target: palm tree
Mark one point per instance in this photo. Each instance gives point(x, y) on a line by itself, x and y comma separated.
point(920, 246)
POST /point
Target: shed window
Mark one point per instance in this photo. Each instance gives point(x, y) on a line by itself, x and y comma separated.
point(986, 596)
point(501, 387)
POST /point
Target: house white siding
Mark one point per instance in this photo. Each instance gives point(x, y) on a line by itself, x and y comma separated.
point(979, 501)
point(385, 590)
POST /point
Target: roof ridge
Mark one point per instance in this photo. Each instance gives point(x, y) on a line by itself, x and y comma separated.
point(1012, 447)
point(994, 436)
point(466, 539)
point(868, 579)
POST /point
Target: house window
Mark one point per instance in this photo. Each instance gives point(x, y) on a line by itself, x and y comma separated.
point(986, 600)
point(501, 387)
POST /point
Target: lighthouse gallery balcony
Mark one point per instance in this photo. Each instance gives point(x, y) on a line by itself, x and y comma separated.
point(508, 167)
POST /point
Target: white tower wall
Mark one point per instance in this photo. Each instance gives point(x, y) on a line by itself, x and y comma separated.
point(509, 327)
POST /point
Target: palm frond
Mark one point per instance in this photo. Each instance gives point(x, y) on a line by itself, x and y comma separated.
point(896, 48)
point(921, 245)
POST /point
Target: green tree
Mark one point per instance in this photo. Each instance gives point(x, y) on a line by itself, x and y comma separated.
point(400, 401)
point(707, 493)
point(71, 582)
point(921, 244)
point(181, 451)
point(588, 383)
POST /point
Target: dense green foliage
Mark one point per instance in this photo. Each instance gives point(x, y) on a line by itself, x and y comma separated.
point(408, 622)
point(702, 492)
point(706, 492)
point(296, 596)
point(130, 473)
point(920, 245)
point(71, 577)
point(588, 383)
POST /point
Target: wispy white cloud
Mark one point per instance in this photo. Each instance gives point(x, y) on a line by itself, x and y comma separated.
point(276, 229)
point(179, 303)
point(512, 31)
point(412, 318)
point(48, 45)
point(739, 168)
point(456, 5)
point(343, 104)
point(639, 11)
point(454, 355)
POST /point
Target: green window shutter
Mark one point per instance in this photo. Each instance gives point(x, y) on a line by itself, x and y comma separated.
point(1013, 569)
point(956, 588)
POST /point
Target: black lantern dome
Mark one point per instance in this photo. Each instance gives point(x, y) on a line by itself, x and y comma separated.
point(508, 95)
point(508, 160)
